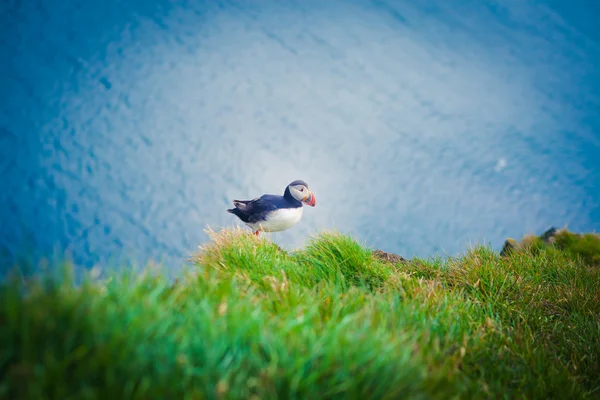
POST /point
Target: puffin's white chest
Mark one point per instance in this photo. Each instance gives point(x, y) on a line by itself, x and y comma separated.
point(279, 220)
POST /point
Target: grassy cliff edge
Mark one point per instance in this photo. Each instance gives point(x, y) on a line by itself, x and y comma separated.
point(332, 320)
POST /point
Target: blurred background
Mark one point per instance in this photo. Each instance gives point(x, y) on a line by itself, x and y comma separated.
point(422, 127)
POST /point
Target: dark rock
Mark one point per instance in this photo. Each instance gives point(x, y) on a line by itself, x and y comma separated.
point(510, 245)
point(549, 234)
point(388, 257)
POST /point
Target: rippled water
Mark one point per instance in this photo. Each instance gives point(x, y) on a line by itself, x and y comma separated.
point(127, 127)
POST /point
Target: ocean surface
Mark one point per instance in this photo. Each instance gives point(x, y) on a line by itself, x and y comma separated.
point(126, 128)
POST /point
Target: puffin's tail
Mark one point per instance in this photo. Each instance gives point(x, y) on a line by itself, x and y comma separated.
point(240, 207)
point(241, 204)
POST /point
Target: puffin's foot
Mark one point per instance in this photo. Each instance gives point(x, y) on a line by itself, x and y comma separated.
point(256, 233)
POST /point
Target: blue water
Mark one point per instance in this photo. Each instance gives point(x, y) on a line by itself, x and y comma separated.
point(422, 127)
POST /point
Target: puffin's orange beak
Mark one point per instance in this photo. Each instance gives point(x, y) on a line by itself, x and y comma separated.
point(310, 200)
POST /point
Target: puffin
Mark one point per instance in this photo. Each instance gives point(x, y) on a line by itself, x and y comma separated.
point(274, 213)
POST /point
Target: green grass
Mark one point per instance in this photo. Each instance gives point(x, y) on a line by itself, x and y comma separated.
point(585, 247)
point(327, 321)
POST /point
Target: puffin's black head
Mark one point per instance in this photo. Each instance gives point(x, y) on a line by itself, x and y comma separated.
point(299, 190)
point(299, 182)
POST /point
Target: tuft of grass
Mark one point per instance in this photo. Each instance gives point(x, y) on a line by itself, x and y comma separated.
point(586, 246)
point(328, 321)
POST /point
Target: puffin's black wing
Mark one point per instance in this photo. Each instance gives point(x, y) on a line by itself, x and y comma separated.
point(253, 210)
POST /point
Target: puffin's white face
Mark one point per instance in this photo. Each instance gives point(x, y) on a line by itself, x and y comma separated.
point(303, 194)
